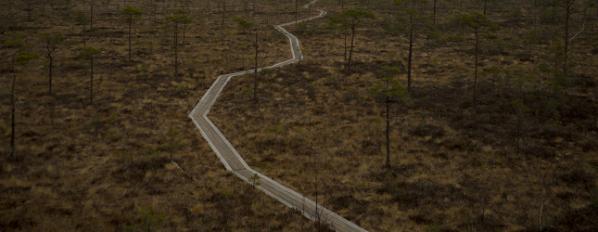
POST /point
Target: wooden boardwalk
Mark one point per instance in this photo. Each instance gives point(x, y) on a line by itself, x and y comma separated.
point(233, 161)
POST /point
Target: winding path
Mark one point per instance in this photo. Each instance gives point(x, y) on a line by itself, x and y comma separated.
point(234, 163)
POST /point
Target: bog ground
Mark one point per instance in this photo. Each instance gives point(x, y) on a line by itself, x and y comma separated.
point(514, 149)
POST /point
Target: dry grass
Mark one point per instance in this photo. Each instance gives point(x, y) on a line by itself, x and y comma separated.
point(454, 169)
point(109, 166)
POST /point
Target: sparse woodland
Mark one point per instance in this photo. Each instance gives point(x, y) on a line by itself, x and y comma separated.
point(406, 115)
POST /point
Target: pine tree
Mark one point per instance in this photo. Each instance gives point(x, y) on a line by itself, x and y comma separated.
point(130, 12)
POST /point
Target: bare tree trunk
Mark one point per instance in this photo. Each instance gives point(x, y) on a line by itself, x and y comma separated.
point(346, 46)
point(91, 3)
point(435, 10)
point(223, 39)
point(223, 12)
point(352, 45)
point(183, 35)
point(542, 202)
point(318, 219)
point(13, 114)
point(410, 58)
point(568, 11)
point(50, 70)
point(91, 80)
point(476, 60)
point(176, 52)
point(387, 105)
point(255, 80)
point(411, 37)
point(518, 133)
point(595, 100)
point(302, 211)
point(130, 25)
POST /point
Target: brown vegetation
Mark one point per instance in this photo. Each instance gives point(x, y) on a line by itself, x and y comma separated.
point(524, 159)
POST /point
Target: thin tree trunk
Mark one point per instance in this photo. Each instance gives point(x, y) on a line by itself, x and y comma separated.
point(595, 115)
point(411, 37)
point(91, 80)
point(541, 215)
point(568, 9)
point(176, 52)
point(130, 25)
point(475, 76)
point(555, 6)
point(52, 111)
point(518, 133)
point(318, 219)
point(350, 61)
point(91, 16)
point(223, 13)
point(50, 72)
point(542, 203)
point(346, 46)
point(535, 13)
point(410, 58)
point(387, 105)
point(13, 114)
point(435, 10)
point(184, 30)
point(302, 212)
point(223, 40)
point(255, 80)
